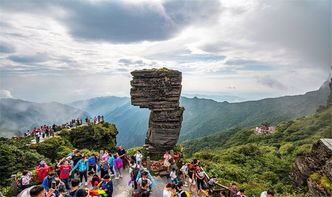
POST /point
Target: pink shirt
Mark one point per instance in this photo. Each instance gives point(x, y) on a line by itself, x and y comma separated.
point(167, 156)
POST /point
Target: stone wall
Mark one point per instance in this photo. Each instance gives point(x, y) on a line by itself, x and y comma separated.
point(159, 90)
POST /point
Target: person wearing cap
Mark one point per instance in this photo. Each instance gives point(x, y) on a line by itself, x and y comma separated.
point(144, 178)
point(42, 171)
point(107, 185)
point(48, 180)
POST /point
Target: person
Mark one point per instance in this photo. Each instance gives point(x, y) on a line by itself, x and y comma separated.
point(64, 172)
point(95, 180)
point(268, 193)
point(169, 190)
point(111, 164)
point(144, 189)
point(223, 194)
point(241, 193)
point(191, 175)
point(37, 137)
point(39, 191)
point(180, 192)
point(167, 158)
point(138, 158)
point(93, 162)
point(144, 177)
point(122, 154)
point(173, 164)
point(144, 170)
point(107, 185)
point(106, 155)
point(184, 172)
point(212, 182)
point(82, 166)
point(25, 179)
point(104, 167)
point(173, 176)
point(48, 180)
point(76, 157)
point(133, 172)
point(117, 163)
point(75, 191)
point(233, 190)
point(42, 171)
point(200, 176)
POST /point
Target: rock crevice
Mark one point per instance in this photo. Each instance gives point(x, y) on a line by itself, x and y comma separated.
point(159, 90)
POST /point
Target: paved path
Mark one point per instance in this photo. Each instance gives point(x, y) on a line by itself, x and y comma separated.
point(55, 134)
point(122, 189)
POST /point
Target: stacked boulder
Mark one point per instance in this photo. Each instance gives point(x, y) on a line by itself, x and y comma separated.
point(159, 90)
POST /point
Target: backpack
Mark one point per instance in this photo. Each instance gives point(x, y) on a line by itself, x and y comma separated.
point(106, 166)
point(75, 194)
point(19, 182)
point(119, 163)
point(186, 192)
point(135, 171)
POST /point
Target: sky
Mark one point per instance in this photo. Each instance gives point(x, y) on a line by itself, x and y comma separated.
point(250, 49)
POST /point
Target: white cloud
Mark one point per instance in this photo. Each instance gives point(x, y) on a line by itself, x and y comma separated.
point(279, 47)
point(5, 94)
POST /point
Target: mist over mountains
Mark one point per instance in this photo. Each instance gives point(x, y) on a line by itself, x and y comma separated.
point(201, 117)
point(16, 114)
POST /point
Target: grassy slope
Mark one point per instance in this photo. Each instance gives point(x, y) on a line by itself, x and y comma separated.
point(260, 162)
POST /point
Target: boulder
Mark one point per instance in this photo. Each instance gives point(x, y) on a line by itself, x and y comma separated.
point(319, 163)
point(159, 90)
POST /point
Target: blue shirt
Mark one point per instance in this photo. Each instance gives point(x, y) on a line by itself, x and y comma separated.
point(92, 161)
point(81, 165)
point(108, 186)
point(110, 161)
point(46, 182)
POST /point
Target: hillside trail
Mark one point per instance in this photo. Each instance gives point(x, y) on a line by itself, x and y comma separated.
point(55, 134)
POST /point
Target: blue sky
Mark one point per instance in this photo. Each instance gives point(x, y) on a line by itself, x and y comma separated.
point(69, 50)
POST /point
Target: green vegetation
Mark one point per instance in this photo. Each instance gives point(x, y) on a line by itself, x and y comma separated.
point(259, 162)
point(163, 69)
point(93, 137)
point(203, 117)
point(17, 155)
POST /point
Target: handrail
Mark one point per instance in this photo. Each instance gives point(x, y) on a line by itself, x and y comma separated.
point(208, 178)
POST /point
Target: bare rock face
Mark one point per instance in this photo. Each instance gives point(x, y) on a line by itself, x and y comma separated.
point(314, 167)
point(159, 90)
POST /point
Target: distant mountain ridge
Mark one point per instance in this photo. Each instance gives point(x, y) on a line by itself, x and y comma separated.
point(201, 117)
point(205, 116)
point(16, 114)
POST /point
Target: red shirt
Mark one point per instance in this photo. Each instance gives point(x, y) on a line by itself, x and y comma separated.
point(65, 171)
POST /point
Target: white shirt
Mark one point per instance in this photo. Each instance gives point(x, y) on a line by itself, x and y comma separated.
point(138, 157)
point(166, 193)
point(263, 194)
point(173, 175)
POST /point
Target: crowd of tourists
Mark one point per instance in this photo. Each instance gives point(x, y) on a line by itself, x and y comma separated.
point(46, 131)
point(81, 175)
point(198, 183)
point(88, 175)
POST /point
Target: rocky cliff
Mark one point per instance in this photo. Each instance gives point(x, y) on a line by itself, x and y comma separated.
point(315, 169)
point(159, 90)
